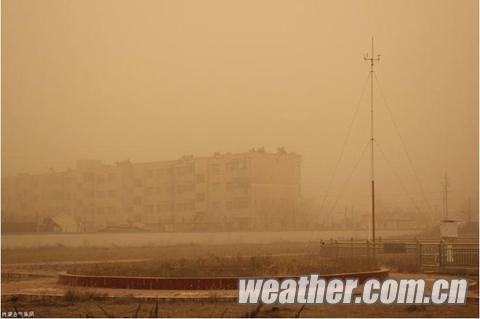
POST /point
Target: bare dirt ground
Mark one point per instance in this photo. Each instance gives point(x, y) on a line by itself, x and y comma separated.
point(212, 308)
point(36, 288)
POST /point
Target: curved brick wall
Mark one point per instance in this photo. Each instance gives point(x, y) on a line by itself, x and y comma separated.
point(205, 283)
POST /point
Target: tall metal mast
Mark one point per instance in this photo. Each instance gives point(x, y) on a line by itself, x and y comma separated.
point(372, 60)
point(445, 185)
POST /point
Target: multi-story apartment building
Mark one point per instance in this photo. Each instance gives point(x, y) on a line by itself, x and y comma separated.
point(248, 191)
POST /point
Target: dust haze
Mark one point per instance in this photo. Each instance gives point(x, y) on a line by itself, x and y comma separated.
point(155, 152)
point(150, 81)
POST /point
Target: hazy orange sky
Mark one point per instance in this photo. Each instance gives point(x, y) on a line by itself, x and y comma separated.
point(154, 80)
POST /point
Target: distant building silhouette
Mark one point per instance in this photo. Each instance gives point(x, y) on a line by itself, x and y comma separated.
point(256, 190)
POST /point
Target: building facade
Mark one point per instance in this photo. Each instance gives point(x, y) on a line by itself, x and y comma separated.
point(247, 191)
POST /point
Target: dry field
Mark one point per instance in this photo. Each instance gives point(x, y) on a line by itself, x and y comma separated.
point(76, 307)
point(196, 260)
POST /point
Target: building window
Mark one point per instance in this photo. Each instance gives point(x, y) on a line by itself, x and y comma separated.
point(184, 188)
point(99, 179)
point(148, 209)
point(164, 207)
point(111, 177)
point(148, 173)
point(238, 203)
point(164, 172)
point(149, 191)
point(237, 164)
point(238, 185)
point(185, 206)
point(88, 177)
point(215, 168)
point(137, 200)
point(184, 170)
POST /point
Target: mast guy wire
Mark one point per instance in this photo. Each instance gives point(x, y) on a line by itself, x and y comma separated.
point(349, 177)
point(349, 131)
point(403, 144)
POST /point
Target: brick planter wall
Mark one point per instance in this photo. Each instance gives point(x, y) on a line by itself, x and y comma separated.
point(194, 283)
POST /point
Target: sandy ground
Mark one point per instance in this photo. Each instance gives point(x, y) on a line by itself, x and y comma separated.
point(37, 290)
point(178, 308)
point(45, 297)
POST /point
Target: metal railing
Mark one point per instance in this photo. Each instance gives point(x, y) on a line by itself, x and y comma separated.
point(427, 255)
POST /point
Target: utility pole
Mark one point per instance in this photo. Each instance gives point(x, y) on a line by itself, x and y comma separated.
point(445, 185)
point(372, 59)
point(469, 210)
point(352, 219)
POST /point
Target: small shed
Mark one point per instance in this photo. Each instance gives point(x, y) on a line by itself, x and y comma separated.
point(449, 228)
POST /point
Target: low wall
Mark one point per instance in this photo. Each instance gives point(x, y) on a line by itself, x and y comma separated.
point(194, 283)
point(12, 241)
